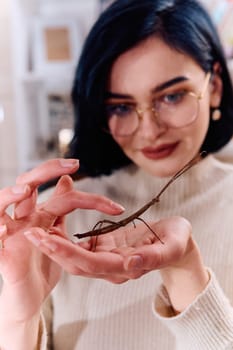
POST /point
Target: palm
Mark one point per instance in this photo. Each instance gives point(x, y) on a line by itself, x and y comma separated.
point(124, 240)
point(170, 249)
point(25, 268)
point(16, 266)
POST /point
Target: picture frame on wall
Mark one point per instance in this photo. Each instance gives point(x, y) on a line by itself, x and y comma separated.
point(57, 44)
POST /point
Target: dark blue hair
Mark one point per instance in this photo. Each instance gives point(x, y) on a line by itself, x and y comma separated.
point(185, 26)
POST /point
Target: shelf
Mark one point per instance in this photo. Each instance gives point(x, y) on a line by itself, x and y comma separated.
point(51, 84)
point(43, 84)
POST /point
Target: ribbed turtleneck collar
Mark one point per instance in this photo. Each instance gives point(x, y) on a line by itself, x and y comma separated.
point(202, 176)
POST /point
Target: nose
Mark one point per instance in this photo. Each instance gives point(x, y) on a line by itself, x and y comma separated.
point(150, 126)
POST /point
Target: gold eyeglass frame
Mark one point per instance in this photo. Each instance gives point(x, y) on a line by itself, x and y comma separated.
point(198, 96)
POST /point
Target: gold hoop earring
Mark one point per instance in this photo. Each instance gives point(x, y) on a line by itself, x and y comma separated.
point(216, 114)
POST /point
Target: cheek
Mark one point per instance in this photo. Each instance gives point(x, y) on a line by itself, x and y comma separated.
point(127, 146)
point(202, 125)
point(195, 135)
point(124, 142)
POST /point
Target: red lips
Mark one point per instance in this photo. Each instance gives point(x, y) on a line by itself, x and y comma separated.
point(159, 152)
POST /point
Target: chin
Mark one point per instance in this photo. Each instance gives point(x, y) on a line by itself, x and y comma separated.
point(162, 173)
point(164, 168)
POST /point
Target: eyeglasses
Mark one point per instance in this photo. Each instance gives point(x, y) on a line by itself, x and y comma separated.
point(174, 109)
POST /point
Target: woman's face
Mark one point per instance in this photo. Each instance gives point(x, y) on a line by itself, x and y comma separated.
point(138, 78)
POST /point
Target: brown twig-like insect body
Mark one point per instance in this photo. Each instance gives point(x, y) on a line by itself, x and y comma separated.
point(136, 215)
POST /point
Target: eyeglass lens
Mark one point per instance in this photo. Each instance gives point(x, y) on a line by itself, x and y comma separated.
point(124, 120)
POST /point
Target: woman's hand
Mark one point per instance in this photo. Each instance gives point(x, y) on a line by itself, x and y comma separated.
point(178, 258)
point(129, 253)
point(29, 276)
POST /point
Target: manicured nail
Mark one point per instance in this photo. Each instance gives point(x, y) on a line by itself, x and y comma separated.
point(69, 163)
point(19, 189)
point(32, 238)
point(117, 206)
point(135, 262)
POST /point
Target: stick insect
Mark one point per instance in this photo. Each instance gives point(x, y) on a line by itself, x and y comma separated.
point(111, 225)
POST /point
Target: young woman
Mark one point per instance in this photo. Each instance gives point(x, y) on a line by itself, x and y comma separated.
point(151, 91)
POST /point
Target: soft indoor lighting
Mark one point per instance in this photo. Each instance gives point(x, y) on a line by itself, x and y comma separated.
point(2, 114)
point(64, 138)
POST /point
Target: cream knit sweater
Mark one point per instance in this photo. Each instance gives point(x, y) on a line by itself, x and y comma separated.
point(94, 314)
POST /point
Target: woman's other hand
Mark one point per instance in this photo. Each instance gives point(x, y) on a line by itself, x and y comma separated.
point(29, 275)
point(130, 252)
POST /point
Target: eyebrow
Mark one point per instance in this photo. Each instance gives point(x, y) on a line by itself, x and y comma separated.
point(158, 88)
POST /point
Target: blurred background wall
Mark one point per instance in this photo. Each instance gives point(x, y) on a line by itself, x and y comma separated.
point(40, 41)
point(8, 142)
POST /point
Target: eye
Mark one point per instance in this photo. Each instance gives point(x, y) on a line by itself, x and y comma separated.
point(118, 110)
point(173, 97)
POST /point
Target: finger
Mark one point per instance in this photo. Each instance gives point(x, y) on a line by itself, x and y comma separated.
point(46, 217)
point(174, 232)
point(25, 207)
point(59, 205)
point(49, 170)
point(11, 195)
point(74, 258)
point(57, 231)
point(64, 185)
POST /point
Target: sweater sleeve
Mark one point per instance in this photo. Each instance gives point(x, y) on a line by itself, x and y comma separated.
point(207, 324)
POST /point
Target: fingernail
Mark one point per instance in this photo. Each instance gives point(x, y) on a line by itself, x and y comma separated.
point(50, 245)
point(19, 189)
point(32, 238)
point(135, 262)
point(117, 206)
point(69, 163)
